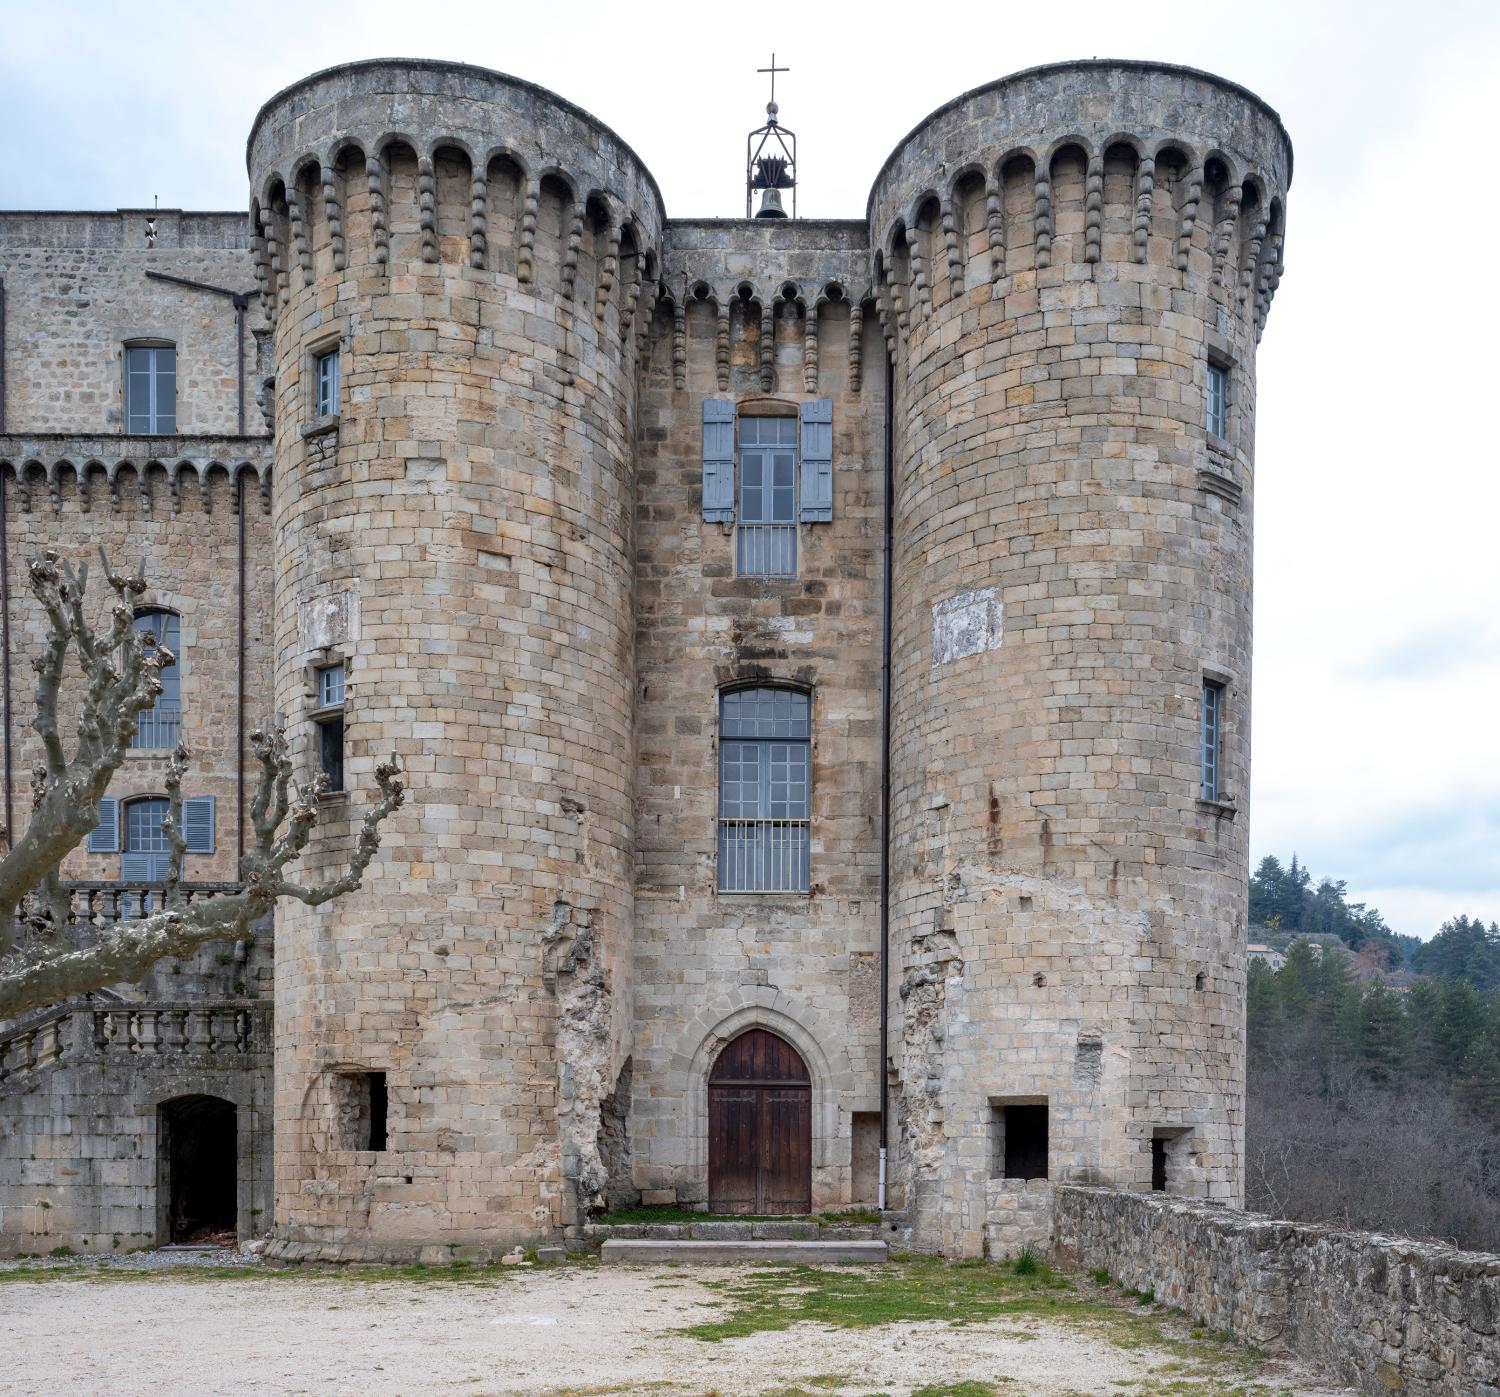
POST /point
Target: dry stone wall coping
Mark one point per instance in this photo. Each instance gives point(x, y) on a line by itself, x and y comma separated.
point(1386, 1314)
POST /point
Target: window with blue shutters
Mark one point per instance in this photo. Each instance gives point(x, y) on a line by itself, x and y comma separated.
point(765, 790)
point(776, 477)
point(766, 539)
point(145, 854)
point(160, 726)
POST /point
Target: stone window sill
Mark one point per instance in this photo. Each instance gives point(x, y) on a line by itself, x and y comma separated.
point(1220, 446)
point(321, 427)
point(1225, 809)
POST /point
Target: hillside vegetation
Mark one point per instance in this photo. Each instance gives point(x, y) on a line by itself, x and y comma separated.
point(1374, 1067)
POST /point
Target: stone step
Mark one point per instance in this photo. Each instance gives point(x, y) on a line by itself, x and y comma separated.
point(729, 1252)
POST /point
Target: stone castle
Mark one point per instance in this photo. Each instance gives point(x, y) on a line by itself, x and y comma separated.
point(819, 651)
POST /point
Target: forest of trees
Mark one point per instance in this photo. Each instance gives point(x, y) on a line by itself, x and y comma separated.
point(1374, 1077)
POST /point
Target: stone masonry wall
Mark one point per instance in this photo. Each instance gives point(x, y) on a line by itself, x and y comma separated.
point(467, 517)
point(82, 1157)
point(1384, 1314)
point(1059, 258)
point(76, 291)
point(768, 315)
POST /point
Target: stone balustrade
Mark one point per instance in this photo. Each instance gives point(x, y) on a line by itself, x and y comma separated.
point(137, 1032)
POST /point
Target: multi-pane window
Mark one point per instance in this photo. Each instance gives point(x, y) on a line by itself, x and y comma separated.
point(766, 539)
point(329, 725)
point(765, 778)
point(1211, 784)
point(326, 390)
point(151, 389)
point(146, 853)
point(160, 725)
point(1216, 402)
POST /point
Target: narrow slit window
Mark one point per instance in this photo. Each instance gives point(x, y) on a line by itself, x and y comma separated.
point(766, 537)
point(1158, 1164)
point(1211, 783)
point(379, 1107)
point(1216, 402)
point(326, 373)
point(329, 725)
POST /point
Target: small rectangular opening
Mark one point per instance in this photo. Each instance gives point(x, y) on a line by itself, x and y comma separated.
point(1158, 1165)
point(361, 1108)
point(1018, 1140)
point(377, 1110)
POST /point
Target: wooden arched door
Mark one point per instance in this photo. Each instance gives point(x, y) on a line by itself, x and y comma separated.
point(759, 1127)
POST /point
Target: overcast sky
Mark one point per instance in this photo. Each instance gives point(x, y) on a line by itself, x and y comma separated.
point(1377, 656)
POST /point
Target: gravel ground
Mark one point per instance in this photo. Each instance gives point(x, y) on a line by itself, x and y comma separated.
point(572, 1329)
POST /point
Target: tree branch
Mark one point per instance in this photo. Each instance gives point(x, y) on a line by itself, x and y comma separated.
point(121, 668)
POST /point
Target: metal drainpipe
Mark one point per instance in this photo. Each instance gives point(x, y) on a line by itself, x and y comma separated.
point(239, 721)
point(5, 588)
point(885, 773)
point(5, 650)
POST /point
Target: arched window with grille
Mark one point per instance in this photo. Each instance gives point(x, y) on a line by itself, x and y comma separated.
point(765, 790)
point(160, 725)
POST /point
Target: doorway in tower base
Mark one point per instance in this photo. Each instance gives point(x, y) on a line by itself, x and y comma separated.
point(759, 1127)
point(197, 1176)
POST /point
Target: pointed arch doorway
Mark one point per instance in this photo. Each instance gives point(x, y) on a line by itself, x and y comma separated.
point(759, 1127)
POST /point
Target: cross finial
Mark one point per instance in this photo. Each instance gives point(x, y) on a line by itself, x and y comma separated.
point(773, 70)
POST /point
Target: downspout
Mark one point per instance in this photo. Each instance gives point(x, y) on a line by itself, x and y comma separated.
point(239, 721)
point(885, 776)
point(10, 837)
point(5, 589)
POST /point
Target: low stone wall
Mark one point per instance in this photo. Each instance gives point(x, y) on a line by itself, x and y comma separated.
point(1384, 1314)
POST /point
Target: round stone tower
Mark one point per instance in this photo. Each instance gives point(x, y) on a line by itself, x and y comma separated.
point(454, 261)
point(1073, 266)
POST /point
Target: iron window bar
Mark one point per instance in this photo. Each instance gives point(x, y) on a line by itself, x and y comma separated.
point(763, 856)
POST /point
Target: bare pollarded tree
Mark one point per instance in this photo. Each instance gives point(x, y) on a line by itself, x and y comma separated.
point(121, 667)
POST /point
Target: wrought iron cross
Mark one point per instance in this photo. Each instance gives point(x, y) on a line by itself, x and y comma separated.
point(773, 70)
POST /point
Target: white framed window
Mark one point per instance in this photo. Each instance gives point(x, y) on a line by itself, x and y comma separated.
point(766, 537)
point(150, 389)
point(326, 383)
point(1211, 777)
point(765, 788)
point(328, 724)
point(1216, 401)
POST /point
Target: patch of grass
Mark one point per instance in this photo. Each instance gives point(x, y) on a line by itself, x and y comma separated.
point(1101, 1277)
point(1025, 1264)
point(957, 1389)
point(62, 1251)
point(925, 1289)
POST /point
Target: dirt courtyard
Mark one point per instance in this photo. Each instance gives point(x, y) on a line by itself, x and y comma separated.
point(586, 1329)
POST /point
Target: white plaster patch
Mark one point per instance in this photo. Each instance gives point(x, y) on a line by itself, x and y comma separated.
point(327, 620)
point(967, 624)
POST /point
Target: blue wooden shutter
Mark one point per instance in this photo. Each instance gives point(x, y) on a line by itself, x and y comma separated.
point(104, 838)
point(198, 824)
point(138, 868)
point(817, 461)
point(718, 460)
